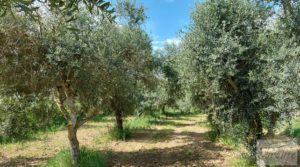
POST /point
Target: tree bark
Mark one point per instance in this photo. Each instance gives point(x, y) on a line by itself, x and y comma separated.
point(255, 132)
point(273, 120)
point(164, 109)
point(119, 119)
point(74, 144)
point(259, 126)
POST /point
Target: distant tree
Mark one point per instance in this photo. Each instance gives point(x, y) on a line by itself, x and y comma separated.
point(130, 61)
point(130, 70)
point(169, 87)
point(288, 11)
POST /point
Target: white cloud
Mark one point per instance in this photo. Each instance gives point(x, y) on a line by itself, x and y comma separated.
point(160, 44)
point(175, 41)
point(157, 47)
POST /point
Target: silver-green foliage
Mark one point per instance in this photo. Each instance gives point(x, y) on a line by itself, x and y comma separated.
point(230, 49)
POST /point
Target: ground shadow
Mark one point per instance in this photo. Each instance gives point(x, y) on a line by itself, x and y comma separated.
point(180, 114)
point(151, 135)
point(199, 152)
point(171, 123)
point(195, 149)
point(23, 161)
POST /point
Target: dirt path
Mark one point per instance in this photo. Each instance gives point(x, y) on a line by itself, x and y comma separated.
point(175, 142)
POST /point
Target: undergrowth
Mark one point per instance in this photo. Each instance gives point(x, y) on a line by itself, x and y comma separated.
point(294, 129)
point(88, 158)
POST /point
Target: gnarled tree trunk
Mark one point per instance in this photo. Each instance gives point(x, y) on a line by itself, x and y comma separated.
point(74, 144)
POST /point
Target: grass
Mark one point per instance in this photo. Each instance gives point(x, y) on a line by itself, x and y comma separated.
point(133, 124)
point(224, 140)
point(103, 118)
point(242, 162)
point(115, 134)
point(89, 158)
point(294, 130)
point(139, 123)
point(130, 125)
point(231, 142)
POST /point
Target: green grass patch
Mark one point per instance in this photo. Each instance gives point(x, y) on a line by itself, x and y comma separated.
point(242, 162)
point(113, 134)
point(116, 134)
point(230, 142)
point(89, 158)
point(103, 118)
point(140, 123)
point(294, 129)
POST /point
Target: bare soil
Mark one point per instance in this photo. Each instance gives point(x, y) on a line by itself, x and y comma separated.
point(178, 141)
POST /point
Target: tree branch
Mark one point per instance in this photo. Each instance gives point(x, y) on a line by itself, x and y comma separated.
point(60, 102)
point(92, 115)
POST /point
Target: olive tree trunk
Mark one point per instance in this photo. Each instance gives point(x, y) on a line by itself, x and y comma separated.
point(273, 120)
point(119, 119)
point(74, 144)
point(255, 132)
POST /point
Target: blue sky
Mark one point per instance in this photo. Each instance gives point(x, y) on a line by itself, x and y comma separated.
point(166, 19)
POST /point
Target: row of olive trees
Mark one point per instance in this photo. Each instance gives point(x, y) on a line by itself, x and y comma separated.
point(243, 59)
point(82, 58)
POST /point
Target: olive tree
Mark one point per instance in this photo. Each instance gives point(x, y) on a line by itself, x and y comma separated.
point(280, 48)
point(129, 59)
point(33, 7)
point(222, 45)
point(130, 70)
point(64, 61)
point(169, 85)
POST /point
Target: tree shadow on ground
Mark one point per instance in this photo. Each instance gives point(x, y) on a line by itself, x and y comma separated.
point(23, 161)
point(151, 135)
point(197, 152)
point(180, 114)
point(194, 149)
point(171, 123)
